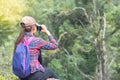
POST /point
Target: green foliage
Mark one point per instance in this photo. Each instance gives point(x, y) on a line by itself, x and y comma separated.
point(6, 52)
point(2, 78)
point(57, 67)
point(74, 31)
point(9, 16)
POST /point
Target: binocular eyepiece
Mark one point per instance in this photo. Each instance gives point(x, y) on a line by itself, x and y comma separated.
point(38, 27)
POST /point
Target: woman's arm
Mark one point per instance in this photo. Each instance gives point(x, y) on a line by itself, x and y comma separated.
point(48, 45)
point(52, 44)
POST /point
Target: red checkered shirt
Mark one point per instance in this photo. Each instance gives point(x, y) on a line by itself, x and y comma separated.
point(35, 46)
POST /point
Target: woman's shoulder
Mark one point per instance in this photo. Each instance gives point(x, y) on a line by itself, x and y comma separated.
point(37, 40)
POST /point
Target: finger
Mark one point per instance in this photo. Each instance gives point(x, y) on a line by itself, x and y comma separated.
point(42, 30)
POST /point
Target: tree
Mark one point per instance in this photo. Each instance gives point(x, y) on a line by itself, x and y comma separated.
point(94, 23)
point(11, 12)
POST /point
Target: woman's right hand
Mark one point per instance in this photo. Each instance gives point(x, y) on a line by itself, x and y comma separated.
point(45, 30)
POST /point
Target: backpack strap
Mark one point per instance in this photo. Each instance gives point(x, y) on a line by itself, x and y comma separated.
point(40, 59)
point(26, 42)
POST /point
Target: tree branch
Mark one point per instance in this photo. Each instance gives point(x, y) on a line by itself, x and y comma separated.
point(86, 40)
point(80, 71)
point(112, 33)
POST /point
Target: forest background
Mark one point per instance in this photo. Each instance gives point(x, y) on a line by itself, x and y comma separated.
point(87, 31)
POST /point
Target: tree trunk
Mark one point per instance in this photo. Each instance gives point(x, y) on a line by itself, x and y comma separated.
point(101, 49)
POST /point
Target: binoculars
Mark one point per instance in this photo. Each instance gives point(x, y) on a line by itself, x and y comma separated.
point(39, 27)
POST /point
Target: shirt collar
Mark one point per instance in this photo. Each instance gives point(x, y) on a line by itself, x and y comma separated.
point(28, 34)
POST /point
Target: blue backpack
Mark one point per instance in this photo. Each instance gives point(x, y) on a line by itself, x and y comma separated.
point(21, 59)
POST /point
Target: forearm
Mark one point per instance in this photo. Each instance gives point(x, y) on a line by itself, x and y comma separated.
point(51, 44)
point(48, 33)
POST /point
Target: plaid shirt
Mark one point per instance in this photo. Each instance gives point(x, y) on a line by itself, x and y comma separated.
point(35, 46)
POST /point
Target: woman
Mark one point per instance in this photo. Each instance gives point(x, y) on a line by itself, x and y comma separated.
point(29, 28)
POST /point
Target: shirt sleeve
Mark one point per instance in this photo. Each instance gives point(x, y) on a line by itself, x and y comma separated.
point(47, 45)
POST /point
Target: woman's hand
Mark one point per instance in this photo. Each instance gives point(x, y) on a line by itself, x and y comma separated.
point(45, 30)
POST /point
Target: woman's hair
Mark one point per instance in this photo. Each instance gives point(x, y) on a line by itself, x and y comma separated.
point(27, 28)
point(27, 22)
